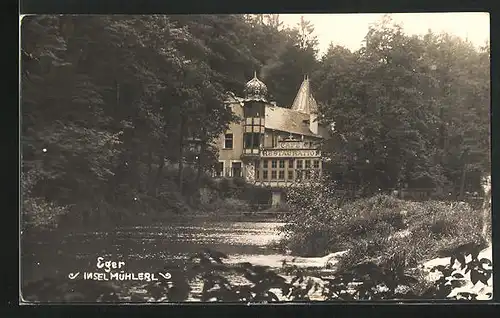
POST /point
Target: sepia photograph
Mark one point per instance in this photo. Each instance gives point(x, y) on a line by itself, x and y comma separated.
point(255, 158)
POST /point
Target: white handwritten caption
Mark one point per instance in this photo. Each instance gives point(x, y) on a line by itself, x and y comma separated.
point(109, 274)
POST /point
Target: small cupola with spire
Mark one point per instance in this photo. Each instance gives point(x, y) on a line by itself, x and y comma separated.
point(255, 90)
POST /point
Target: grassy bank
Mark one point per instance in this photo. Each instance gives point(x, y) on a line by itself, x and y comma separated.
point(376, 228)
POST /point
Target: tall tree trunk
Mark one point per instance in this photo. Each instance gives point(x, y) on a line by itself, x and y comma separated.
point(464, 172)
point(181, 154)
point(200, 170)
point(161, 158)
point(150, 161)
point(462, 182)
point(159, 173)
point(486, 210)
point(203, 148)
point(150, 170)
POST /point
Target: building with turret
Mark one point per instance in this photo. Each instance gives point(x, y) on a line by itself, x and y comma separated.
point(272, 146)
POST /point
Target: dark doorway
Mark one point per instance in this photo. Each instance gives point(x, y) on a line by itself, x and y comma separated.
point(236, 167)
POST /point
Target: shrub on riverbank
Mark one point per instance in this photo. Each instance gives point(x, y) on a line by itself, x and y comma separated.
point(237, 188)
point(376, 227)
point(144, 204)
point(226, 206)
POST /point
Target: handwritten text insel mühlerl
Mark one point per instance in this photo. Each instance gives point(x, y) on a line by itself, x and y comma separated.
point(122, 276)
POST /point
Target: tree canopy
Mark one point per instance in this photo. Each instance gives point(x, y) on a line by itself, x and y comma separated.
point(408, 110)
point(110, 102)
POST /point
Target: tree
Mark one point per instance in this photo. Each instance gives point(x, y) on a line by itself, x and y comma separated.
point(294, 59)
point(113, 91)
point(401, 107)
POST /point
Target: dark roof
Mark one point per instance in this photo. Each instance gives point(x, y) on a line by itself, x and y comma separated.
point(294, 120)
point(284, 119)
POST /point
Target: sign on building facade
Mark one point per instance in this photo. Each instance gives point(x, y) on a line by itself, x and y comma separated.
point(287, 153)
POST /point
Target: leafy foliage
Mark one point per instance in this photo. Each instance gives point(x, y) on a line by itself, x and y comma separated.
point(112, 104)
point(365, 281)
point(374, 228)
point(122, 97)
point(409, 111)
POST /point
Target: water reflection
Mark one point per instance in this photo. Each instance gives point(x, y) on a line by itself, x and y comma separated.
point(145, 248)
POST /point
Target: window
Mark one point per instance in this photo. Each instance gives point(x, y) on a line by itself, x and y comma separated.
point(307, 175)
point(308, 164)
point(264, 175)
point(273, 163)
point(251, 140)
point(228, 141)
point(219, 168)
point(274, 139)
point(290, 174)
point(253, 109)
point(290, 163)
point(281, 175)
point(316, 164)
point(299, 164)
point(247, 140)
point(265, 163)
point(273, 175)
point(257, 137)
point(282, 164)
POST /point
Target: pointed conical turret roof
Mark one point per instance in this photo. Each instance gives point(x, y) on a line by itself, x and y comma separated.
point(304, 101)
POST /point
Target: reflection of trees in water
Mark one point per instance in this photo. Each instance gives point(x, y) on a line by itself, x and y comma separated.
point(142, 248)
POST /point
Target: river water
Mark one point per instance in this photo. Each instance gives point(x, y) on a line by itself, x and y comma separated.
point(150, 248)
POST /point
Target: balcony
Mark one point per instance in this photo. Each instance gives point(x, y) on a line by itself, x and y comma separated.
point(251, 153)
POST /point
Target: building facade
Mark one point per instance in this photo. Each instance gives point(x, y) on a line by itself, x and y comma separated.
point(272, 146)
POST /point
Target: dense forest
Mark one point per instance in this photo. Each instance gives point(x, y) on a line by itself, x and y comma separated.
point(110, 103)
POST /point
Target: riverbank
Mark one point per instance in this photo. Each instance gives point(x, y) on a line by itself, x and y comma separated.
point(380, 225)
point(150, 248)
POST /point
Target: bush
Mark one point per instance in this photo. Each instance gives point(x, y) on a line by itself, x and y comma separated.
point(312, 210)
point(377, 227)
point(227, 206)
point(37, 213)
point(433, 230)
